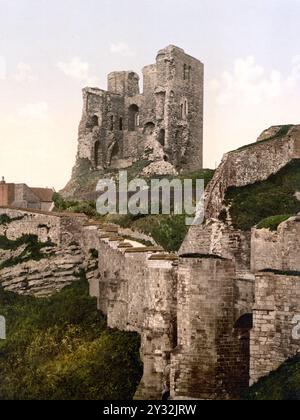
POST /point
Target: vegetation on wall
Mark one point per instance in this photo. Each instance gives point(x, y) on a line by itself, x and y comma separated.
point(283, 384)
point(59, 348)
point(275, 196)
point(32, 249)
point(273, 222)
point(168, 231)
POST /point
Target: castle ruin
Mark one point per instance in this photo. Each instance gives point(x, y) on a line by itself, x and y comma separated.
point(163, 124)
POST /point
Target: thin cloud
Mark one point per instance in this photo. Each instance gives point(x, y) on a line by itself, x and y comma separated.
point(24, 73)
point(121, 48)
point(34, 111)
point(3, 68)
point(248, 83)
point(77, 69)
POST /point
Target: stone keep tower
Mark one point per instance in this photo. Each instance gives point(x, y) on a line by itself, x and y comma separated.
point(163, 124)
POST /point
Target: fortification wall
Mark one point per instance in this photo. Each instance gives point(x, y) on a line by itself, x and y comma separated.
point(209, 362)
point(136, 289)
point(58, 228)
point(275, 315)
point(59, 263)
point(244, 166)
point(217, 238)
point(278, 250)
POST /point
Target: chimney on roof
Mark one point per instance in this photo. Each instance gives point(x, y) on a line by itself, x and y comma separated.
point(3, 181)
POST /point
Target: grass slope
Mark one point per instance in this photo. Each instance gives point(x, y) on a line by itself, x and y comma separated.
point(283, 384)
point(275, 196)
point(59, 348)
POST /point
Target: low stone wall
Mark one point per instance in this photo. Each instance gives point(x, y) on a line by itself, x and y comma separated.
point(275, 335)
point(58, 228)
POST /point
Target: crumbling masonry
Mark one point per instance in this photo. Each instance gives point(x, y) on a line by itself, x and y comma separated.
point(164, 124)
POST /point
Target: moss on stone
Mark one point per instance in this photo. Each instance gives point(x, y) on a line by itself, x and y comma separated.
point(281, 385)
point(273, 222)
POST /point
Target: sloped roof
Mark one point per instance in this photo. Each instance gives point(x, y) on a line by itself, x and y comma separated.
point(44, 194)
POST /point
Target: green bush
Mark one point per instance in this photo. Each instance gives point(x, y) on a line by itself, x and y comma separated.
point(60, 348)
point(282, 385)
point(73, 206)
point(272, 222)
point(253, 203)
point(4, 219)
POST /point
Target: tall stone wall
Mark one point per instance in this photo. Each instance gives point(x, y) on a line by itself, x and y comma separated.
point(275, 316)
point(209, 361)
point(136, 289)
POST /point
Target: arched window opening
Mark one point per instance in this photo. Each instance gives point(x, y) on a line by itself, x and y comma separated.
point(121, 124)
point(111, 123)
point(149, 128)
point(97, 154)
point(243, 326)
point(184, 109)
point(95, 121)
point(166, 159)
point(133, 117)
point(162, 137)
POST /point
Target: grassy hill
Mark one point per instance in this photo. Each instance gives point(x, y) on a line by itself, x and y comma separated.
point(59, 348)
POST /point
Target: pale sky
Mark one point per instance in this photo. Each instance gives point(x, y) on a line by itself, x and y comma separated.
point(50, 50)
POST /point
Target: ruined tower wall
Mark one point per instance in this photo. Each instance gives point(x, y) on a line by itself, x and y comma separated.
point(278, 250)
point(209, 362)
point(163, 123)
point(217, 238)
point(180, 86)
point(123, 83)
point(275, 315)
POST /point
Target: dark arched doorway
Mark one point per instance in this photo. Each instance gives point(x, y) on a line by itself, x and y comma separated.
point(162, 137)
point(133, 117)
point(97, 154)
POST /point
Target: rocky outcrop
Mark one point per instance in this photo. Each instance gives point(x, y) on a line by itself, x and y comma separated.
point(250, 164)
point(57, 268)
